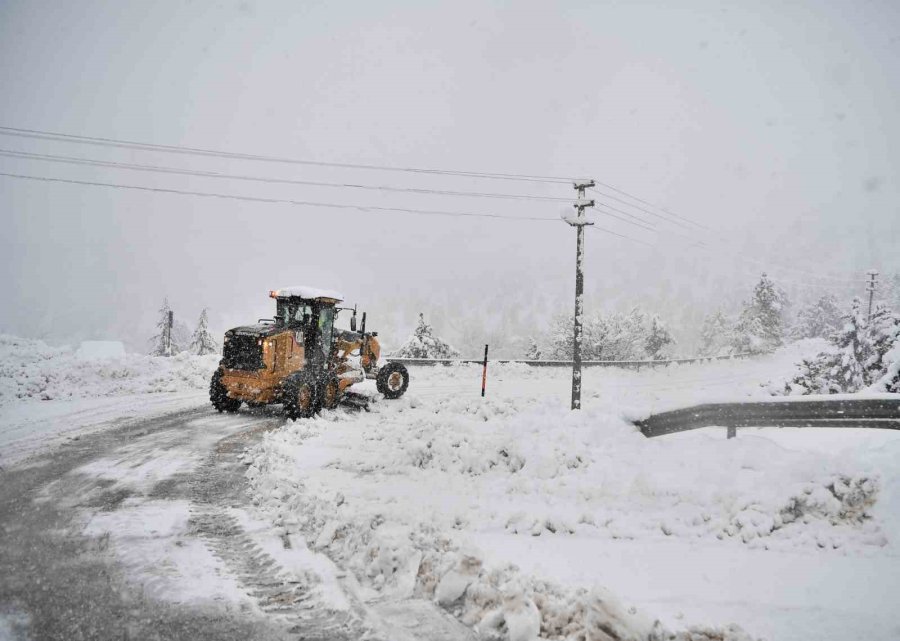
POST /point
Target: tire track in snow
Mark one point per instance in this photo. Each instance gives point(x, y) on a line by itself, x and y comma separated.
point(277, 591)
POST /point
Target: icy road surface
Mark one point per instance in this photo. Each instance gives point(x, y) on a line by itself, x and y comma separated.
point(142, 529)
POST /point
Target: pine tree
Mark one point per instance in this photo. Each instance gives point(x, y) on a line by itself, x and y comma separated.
point(854, 350)
point(715, 334)
point(202, 341)
point(424, 344)
point(883, 365)
point(163, 343)
point(844, 369)
point(658, 338)
point(533, 352)
point(760, 327)
point(818, 320)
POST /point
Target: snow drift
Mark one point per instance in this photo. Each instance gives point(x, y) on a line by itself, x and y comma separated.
point(413, 498)
point(31, 369)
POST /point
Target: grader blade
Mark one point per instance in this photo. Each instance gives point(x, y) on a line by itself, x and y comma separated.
point(357, 401)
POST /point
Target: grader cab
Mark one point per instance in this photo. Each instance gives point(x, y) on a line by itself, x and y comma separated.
point(299, 358)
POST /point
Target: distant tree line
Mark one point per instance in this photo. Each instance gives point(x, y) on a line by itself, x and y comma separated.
point(632, 335)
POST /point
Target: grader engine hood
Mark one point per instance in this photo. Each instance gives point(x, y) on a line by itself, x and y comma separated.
point(243, 347)
point(260, 330)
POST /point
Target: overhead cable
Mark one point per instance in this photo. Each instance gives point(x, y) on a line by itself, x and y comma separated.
point(143, 146)
point(80, 160)
point(285, 201)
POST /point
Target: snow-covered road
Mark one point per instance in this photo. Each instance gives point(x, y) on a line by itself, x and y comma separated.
point(142, 528)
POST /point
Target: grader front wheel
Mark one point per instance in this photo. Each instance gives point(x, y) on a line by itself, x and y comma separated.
point(301, 397)
point(392, 381)
point(331, 393)
point(218, 395)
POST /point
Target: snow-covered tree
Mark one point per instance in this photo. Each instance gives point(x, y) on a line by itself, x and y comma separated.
point(864, 354)
point(883, 365)
point(853, 350)
point(818, 320)
point(619, 336)
point(560, 338)
point(658, 338)
point(424, 344)
point(165, 342)
point(760, 327)
point(202, 341)
point(715, 334)
point(533, 352)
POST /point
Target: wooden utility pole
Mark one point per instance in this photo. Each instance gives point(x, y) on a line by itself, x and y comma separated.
point(870, 287)
point(579, 222)
point(170, 322)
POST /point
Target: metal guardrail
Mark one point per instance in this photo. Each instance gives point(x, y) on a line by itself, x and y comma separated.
point(545, 363)
point(882, 412)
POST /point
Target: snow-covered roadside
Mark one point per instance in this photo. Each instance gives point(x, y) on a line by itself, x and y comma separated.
point(32, 370)
point(517, 515)
point(47, 393)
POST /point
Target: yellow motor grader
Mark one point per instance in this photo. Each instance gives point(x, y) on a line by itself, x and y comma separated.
point(299, 358)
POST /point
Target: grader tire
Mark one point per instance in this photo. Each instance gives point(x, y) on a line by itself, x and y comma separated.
point(218, 395)
point(392, 381)
point(302, 397)
point(331, 393)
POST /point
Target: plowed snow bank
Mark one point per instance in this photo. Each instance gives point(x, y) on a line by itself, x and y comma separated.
point(414, 496)
point(31, 369)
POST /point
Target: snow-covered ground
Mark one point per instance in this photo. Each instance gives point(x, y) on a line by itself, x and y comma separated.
point(49, 392)
point(523, 518)
point(32, 370)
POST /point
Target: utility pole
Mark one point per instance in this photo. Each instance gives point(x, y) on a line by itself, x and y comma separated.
point(870, 287)
point(579, 221)
point(171, 321)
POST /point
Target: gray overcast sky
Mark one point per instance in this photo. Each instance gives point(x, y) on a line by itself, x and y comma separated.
point(773, 123)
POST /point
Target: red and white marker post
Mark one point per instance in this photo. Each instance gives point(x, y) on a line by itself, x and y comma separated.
point(484, 372)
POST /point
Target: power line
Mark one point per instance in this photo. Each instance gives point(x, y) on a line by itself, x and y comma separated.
point(719, 238)
point(285, 201)
point(696, 243)
point(362, 208)
point(608, 231)
point(128, 144)
point(646, 211)
point(649, 204)
point(402, 210)
point(632, 220)
point(755, 267)
point(80, 160)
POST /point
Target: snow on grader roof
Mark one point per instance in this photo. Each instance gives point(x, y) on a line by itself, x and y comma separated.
point(306, 292)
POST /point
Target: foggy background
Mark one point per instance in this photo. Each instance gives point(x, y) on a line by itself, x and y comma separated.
point(773, 127)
